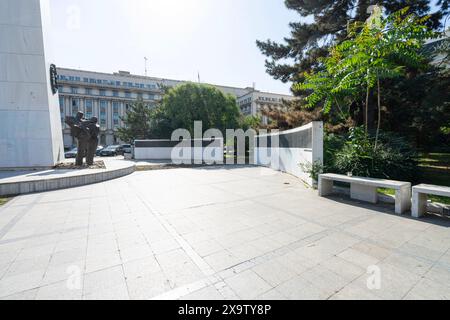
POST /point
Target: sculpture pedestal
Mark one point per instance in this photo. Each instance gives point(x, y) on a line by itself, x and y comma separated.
point(30, 123)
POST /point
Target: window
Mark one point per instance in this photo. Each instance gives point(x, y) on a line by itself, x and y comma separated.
point(89, 109)
point(127, 94)
point(151, 96)
point(61, 109)
point(115, 93)
point(102, 92)
point(103, 107)
point(74, 90)
point(116, 108)
point(88, 91)
point(61, 104)
point(75, 106)
point(102, 139)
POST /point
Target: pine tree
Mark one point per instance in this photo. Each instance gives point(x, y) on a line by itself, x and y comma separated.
point(309, 41)
point(137, 122)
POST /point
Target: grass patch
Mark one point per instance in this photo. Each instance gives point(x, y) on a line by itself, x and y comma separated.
point(388, 192)
point(435, 160)
point(442, 200)
point(434, 168)
point(3, 201)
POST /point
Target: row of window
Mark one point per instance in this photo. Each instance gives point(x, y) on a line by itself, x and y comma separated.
point(108, 82)
point(89, 110)
point(270, 99)
point(104, 93)
point(246, 110)
point(248, 100)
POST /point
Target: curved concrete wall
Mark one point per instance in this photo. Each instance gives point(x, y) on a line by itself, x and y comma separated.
point(211, 150)
point(287, 151)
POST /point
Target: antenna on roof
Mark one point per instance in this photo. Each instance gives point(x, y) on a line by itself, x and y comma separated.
point(198, 75)
point(145, 58)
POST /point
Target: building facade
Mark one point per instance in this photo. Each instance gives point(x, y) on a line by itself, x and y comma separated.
point(254, 101)
point(108, 96)
point(438, 49)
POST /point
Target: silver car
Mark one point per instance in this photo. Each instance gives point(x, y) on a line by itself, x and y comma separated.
point(71, 154)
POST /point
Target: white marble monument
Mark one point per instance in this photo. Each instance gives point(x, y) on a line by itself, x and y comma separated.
point(30, 124)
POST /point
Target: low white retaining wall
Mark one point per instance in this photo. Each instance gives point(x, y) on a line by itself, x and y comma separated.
point(29, 183)
point(211, 150)
point(287, 151)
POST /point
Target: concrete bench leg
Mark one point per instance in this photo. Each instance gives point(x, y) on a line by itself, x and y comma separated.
point(363, 193)
point(325, 187)
point(402, 200)
point(419, 204)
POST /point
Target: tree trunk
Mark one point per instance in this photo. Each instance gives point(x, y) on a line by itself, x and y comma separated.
point(366, 109)
point(370, 112)
point(379, 113)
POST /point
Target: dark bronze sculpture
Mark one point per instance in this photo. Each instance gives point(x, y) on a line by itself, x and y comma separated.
point(86, 132)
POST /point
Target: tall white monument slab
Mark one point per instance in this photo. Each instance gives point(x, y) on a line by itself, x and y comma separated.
point(30, 124)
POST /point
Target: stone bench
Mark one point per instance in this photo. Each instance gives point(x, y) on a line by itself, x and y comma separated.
point(365, 189)
point(420, 197)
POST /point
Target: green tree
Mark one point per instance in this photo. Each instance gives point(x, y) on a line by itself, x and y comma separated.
point(137, 122)
point(383, 48)
point(310, 40)
point(183, 105)
point(250, 122)
point(327, 24)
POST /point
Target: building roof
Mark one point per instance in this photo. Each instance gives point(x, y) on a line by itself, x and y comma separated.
point(240, 92)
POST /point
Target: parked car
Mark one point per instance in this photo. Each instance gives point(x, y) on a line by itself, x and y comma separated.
point(99, 149)
point(111, 151)
point(71, 154)
point(126, 148)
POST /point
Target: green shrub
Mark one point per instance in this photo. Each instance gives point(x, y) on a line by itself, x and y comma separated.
point(392, 158)
point(332, 143)
point(314, 170)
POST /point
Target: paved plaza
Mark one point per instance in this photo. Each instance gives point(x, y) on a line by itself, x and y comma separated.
point(216, 233)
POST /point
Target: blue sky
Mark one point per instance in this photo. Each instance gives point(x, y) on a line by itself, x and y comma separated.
point(180, 38)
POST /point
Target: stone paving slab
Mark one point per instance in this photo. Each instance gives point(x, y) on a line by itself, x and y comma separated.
point(216, 233)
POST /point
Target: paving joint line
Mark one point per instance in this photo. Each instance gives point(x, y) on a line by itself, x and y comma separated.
point(201, 264)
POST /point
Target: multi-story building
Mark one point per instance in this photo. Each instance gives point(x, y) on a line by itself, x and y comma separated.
point(252, 102)
point(108, 96)
point(439, 49)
